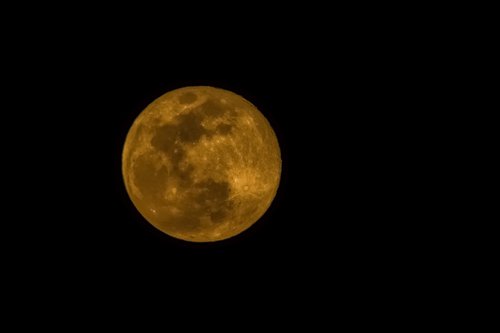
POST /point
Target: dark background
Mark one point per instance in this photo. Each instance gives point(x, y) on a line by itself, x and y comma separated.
point(341, 226)
point(332, 211)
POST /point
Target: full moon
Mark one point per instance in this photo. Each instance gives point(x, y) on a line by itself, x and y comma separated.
point(201, 164)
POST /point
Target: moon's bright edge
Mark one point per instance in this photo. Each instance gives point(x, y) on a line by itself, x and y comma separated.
point(201, 164)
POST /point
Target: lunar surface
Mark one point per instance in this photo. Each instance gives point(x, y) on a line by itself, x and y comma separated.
point(201, 164)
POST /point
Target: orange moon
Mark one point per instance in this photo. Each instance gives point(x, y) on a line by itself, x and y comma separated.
point(201, 164)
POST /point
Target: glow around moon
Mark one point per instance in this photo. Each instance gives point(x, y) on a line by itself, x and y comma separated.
point(201, 164)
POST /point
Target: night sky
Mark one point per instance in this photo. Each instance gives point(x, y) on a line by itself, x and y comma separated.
point(337, 218)
point(356, 97)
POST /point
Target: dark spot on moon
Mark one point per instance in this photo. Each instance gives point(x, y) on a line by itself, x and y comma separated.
point(185, 222)
point(148, 177)
point(177, 155)
point(187, 129)
point(184, 174)
point(210, 191)
point(207, 198)
point(190, 127)
point(213, 198)
point(218, 215)
point(187, 98)
point(224, 129)
point(164, 138)
point(213, 108)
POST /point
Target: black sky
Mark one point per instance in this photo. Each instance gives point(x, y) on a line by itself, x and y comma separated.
point(338, 219)
point(350, 94)
point(328, 204)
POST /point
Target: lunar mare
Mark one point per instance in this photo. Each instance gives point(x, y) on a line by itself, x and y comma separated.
point(201, 164)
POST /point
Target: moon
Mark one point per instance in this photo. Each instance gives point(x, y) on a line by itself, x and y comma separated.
point(201, 164)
